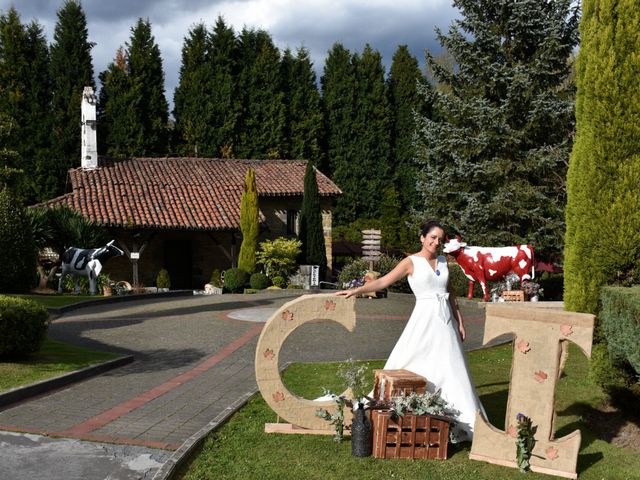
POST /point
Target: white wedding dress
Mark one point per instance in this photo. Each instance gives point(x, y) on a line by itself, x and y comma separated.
point(430, 345)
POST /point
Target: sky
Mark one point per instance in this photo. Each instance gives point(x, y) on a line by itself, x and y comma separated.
point(314, 24)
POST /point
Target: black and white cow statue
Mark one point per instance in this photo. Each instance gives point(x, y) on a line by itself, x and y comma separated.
point(86, 262)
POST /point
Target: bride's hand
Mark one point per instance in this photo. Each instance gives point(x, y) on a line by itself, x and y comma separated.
point(462, 331)
point(344, 293)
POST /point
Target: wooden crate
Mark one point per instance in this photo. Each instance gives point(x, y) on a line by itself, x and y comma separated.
point(513, 295)
point(409, 436)
point(393, 383)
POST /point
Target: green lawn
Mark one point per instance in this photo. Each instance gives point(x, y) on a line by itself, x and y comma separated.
point(55, 358)
point(55, 301)
point(241, 449)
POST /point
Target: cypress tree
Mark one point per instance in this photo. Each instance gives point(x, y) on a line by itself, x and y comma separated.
point(263, 112)
point(494, 157)
point(223, 58)
point(146, 79)
point(43, 184)
point(369, 168)
point(404, 102)
point(338, 100)
point(26, 100)
point(311, 235)
point(118, 128)
point(193, 96)
point(14, 70)
point(304, 111)
point(249, 223)
point(361, 167)
point(71, 71)
point(603, 205)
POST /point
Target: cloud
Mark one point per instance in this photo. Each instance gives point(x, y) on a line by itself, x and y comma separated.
point(316, 24)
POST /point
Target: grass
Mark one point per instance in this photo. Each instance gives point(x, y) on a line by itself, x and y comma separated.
point(54, 359)
point(55, 301)
point(241, 449)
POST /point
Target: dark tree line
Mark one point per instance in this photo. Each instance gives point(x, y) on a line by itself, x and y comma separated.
point(489, 156)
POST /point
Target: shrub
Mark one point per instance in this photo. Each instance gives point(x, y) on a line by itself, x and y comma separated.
point(603, 372)
point(235, 279)
point(259, 281)
point(553, 285)
point(460, 283)
point(163, 280)
point(293, 286)
point(216, 278)
point(23, 326)
point(620, 317)
point(352, 271)
point(279, 281)
point(279, 256)
point(17, 248)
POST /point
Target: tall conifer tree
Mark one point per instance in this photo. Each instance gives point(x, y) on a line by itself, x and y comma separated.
point(14, 70)
point(603, 206)
point(369, 171)
point(116, 135)
point(193, 96)
point(71, 71)
point(43, 182)
point(25, 97)
point(249, 223)
point(338, 99)
point(146, 79)
point(263, 113)
point(224, 90)
point(311, 235)
point(304, 112)
point(404, 102)
point(494, 156)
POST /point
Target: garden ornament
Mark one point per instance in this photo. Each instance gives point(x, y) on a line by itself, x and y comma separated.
point(86, 262)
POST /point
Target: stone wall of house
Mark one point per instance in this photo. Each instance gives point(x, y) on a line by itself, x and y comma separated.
point(275, 210)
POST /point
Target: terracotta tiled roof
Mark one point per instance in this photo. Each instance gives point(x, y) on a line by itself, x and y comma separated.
point(178, 193)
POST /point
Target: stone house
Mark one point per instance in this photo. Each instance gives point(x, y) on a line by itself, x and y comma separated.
point(183, 214)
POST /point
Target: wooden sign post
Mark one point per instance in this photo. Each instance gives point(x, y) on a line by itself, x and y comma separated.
point(371, 246)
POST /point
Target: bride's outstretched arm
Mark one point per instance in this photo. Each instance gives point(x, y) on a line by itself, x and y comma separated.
point(404, 268)
point(456, 312)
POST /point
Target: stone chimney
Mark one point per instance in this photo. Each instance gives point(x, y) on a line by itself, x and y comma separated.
point(89, 155)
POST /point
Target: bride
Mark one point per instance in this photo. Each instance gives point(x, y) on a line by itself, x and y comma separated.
point(430, 344)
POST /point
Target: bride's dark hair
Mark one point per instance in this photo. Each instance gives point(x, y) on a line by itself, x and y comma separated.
point(429, 225)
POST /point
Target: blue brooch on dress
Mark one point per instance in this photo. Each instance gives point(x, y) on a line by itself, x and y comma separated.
point(438, 272)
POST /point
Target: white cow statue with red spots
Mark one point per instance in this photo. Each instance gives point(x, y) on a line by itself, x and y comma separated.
point(482, 264)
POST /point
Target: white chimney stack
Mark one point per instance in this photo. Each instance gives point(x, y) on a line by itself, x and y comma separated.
point(89, 155)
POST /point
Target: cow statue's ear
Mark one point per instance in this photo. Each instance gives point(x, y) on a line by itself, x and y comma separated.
point(459, 238)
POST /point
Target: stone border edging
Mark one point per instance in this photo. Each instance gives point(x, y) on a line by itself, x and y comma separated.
point(178, 458)
point(22, 393)
point(118, 299)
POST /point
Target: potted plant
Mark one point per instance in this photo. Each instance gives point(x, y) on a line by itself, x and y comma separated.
point(104, 284)
point(354, 376)
point(532, 290)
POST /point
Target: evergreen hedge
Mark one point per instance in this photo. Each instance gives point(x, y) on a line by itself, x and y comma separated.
point(603, 205)
point(17, 248)
point(23, 327)
point(620, 317)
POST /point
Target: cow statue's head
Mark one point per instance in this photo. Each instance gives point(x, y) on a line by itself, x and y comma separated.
point(108, 251)
point(453, 245)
